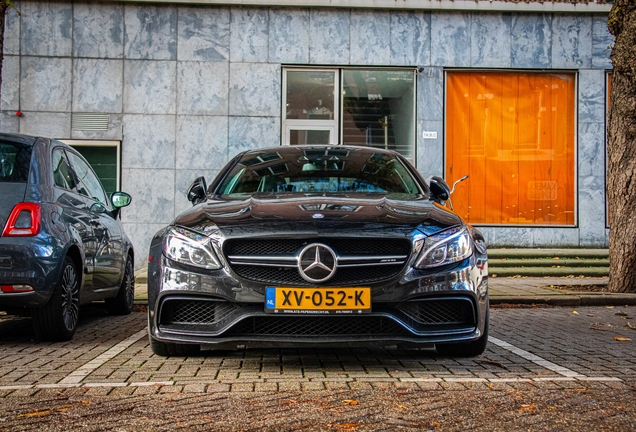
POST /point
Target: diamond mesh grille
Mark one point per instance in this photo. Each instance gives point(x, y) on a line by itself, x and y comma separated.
point(317, 326)
point(195, 311)
point(439, 311)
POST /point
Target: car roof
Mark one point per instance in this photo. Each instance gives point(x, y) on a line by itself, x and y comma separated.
point(18, 138)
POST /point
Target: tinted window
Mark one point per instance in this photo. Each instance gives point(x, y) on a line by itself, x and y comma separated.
point(61, 170)
point(322, 170)
point(15, 160)
point(89, 183)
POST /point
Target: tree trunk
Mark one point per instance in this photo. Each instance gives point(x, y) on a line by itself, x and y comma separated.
point(621, 148)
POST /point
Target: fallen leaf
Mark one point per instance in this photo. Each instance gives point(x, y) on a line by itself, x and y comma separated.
point(491, 362)
point(551, 407)
point(609, 307)
point(556, 258)
point(528, 407)
point(621, 339)
point(597, 326)
point(436, 424)
point(344, 426)
point(350, 402)
point(62, 409)
point(85, 402)
point(621, 314)
point(631, 326)
point(575, 312)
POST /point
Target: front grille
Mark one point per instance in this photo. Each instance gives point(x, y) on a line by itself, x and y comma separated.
point(196, 311)
point(452, 311)
point(375, 249)
point(342, 246)
point(304, 326)
point(291, 277)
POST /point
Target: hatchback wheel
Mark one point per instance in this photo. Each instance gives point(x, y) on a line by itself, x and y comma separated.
point(57, 320)
point(122, 304)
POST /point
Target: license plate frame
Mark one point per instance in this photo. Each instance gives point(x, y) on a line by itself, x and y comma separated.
point(317, 301)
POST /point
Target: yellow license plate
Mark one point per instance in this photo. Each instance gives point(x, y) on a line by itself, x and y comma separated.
point(317, 300)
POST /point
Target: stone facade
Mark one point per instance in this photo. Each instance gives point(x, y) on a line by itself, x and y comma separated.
point(188, 87)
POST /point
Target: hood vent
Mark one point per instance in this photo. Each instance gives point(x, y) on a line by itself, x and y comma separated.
point(89, 121)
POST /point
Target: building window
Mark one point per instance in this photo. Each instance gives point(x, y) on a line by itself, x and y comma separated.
point(513, 133)
point(104, 157)
point(367, 107)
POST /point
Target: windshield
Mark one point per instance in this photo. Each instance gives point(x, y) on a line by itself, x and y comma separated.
point(15, 160)
point(293, 169)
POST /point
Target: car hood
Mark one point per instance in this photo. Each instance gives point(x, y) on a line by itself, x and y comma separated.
point(263, 214)
point(10, 195)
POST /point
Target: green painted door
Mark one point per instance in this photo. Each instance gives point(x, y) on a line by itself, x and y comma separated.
point(104, 162)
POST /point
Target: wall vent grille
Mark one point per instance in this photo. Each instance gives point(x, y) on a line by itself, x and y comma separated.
point(89, 121)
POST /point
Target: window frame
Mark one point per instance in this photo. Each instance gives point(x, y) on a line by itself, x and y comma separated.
point(100, 143)
point(575, 108)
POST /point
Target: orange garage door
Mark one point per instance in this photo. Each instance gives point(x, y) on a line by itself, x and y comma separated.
point(513, 133)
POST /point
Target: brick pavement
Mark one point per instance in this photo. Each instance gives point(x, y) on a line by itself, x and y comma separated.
point(580, 341)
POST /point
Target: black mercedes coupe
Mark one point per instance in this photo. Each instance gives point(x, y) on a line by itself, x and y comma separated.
point(318, 246)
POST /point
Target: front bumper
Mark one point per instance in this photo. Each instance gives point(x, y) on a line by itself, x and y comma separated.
point(217, 310)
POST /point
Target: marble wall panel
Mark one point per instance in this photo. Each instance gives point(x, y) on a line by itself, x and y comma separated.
point(150, 32)
point(150, 87)
point(203, 88)
point(555, 237)
point(46, 124)
point(369, 42)
point(411, 38)
point(602, 41)
point(571, 41)
point(45, 84)
point(12, 31)
point(140, 234)
point(204, 34)
point(9, 122)
point(591, 149)
point(249, 35)
point(430, 94)
point(149, 141)
point(152, 192)
point(98, 30)
point(97, 85)
point(450, 39)
point(289, 35)
point(506, 237)
point(202, 142)
point(490, 40)
point(255, 89)
point(247, 133)
point(531, 41)
point(184, 178)
point(591, 96)
point(11, 83)
point(430, 151)
point(114, 131)
point(329, 36)
point(489, 234)
point(592, 211)
point(46, 28)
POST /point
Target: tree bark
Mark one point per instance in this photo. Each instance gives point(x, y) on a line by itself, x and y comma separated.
point(621, 148)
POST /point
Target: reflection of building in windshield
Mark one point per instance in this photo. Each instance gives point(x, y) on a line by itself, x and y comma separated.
point(329, 207)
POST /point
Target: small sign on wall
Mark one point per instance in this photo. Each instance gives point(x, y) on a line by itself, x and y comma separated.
point(429, 134)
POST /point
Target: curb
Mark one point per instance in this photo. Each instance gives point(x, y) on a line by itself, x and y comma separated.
point(569, 300)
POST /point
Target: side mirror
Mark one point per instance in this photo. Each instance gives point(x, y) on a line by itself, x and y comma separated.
point(120, 199)
point(439, 189)
point(97, 208)
point(197, 191)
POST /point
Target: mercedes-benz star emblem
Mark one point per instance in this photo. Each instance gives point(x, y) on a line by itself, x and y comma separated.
point(317, 263)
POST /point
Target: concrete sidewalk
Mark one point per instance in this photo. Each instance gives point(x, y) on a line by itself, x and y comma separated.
point(515, 290)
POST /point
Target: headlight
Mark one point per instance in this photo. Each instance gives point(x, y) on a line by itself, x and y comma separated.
point(190, 248)
point(446, 247)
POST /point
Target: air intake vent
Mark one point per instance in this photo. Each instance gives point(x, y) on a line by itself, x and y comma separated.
point(89, 121)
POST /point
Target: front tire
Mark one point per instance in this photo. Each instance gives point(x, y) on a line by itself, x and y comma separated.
point(466, 349)
point(122, 304)
point(57, 320)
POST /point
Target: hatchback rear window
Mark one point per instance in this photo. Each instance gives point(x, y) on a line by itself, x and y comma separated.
point(15, 160)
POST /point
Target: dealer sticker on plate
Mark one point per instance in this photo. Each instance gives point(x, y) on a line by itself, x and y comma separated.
point(318, 300)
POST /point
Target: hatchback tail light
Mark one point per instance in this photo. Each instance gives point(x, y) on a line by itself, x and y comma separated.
point(24, 221)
